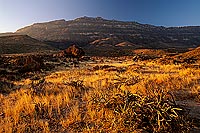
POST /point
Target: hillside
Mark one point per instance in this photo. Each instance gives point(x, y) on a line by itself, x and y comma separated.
point(193, 54)
point(8, 34)
point(14, 44)
point(99, 32)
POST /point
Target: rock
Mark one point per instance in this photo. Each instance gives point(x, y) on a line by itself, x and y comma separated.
point(142, 57)
point(27, 63)
point(72, 52)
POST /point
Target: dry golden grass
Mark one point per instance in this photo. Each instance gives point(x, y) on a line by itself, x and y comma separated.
point(77, 100)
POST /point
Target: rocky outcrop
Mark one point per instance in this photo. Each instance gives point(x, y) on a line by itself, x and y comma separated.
point(22, 63)
point(28, 63)
point(72, 51)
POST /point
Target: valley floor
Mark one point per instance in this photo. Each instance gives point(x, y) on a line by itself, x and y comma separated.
point(105, 95)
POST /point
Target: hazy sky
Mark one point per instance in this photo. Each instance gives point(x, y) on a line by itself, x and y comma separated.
point(15, 14)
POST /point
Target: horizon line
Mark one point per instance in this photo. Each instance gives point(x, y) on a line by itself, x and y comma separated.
point(109, 19)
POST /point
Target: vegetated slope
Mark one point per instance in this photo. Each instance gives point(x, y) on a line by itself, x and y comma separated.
point(187, 58)
point(14, 44)
point(193, 54)
point(87, 30)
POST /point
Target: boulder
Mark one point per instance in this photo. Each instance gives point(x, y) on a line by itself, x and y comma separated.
point(73, 52)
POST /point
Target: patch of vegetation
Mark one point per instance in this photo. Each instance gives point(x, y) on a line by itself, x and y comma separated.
point(141, 98)
point(128, 112)
point(74, 107)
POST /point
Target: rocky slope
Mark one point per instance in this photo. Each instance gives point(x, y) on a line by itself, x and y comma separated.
point(98, 34)
point(14, 44)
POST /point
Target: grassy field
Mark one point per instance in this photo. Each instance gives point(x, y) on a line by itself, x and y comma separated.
point(106, 95)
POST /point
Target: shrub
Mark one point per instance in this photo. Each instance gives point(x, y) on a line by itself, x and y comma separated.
point(152, 114)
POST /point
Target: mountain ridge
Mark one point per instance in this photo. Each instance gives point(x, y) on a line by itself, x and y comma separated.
point(84, 31)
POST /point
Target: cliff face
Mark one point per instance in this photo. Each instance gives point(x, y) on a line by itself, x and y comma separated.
point(99, 32)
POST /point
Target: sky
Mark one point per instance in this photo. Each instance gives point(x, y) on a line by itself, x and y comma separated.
point(15, 14)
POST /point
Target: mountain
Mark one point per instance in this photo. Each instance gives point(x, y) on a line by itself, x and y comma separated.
point(14, 43)
point(99, 33)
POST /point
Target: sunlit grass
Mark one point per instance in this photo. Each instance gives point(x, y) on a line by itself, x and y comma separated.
point(76, 100)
